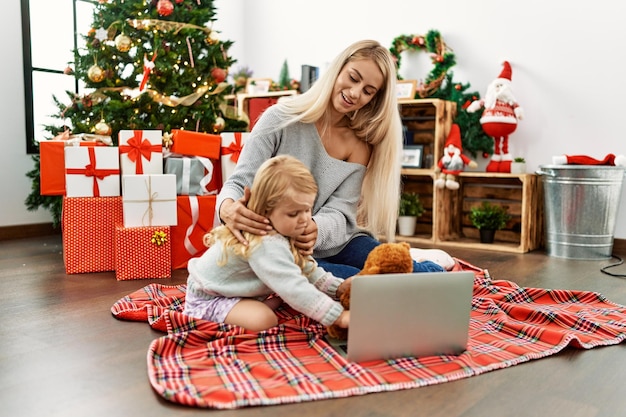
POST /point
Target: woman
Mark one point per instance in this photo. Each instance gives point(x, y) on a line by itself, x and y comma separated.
point(347, 131)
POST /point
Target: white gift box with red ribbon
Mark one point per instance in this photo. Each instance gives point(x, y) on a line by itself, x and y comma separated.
point(92, 171)
point(232, 144)
point(149, 200)
point(141, 152)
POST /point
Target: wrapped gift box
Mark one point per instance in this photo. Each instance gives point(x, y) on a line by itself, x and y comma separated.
point(232, 144)
point(149, 200)
point(141, 152)
point(195, 219)
point(142, 252)
point(189, 143)
point(52, 161)
point(88, 225)
point(92, 171)
point(195, 175)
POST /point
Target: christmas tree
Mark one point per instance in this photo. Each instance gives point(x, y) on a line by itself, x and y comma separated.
point(146, 64)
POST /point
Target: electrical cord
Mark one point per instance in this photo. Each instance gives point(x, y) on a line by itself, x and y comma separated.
point(619, 262)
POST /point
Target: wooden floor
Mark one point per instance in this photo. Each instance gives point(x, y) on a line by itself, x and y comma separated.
point(63, 354)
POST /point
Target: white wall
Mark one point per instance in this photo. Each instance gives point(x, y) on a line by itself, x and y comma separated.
point(568, 65)
point(15, 163)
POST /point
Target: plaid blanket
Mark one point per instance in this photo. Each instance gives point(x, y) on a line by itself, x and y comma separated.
point(204, 364)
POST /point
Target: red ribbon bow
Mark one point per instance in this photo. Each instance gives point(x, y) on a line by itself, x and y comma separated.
point(137, 149)
point(234, 149)
point(90, 170)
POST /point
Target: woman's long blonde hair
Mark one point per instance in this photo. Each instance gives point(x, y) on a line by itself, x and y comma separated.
point(378, 123)
point(279, 178)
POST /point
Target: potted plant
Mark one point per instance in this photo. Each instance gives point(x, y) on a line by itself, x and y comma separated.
point(410, 209)
point(488, 218)
point(518, 166)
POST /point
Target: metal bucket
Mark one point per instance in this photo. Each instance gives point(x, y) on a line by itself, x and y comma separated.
point(580, 208)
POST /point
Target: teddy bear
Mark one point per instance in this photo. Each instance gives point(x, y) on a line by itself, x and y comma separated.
point(386, 258)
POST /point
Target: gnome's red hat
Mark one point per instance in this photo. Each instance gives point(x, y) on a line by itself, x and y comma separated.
point(506, 72)
point(454, 137)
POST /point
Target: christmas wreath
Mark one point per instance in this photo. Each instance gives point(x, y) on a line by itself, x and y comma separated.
point(440, 84)
point(442, 58)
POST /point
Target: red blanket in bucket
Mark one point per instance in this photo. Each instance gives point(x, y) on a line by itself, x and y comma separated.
point(205, 364)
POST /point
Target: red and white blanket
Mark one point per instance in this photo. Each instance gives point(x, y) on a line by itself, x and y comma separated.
point(205, 364)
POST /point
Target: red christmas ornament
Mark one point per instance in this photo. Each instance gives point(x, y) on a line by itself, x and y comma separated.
point(179, 1)
point(165, 7)
point(457, 87)
point(218, 74)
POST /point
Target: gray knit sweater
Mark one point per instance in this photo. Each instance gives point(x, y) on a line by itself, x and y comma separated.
point(270, 268)
point(339, 182)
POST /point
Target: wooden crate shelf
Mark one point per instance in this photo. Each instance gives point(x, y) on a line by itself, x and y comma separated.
point(445, 222)
point(427, 122)
point(520, 194)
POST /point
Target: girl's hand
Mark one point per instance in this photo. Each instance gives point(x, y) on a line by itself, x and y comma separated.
point(238, 218)
point(306, 241)
point(344, 320)
point(343, 287)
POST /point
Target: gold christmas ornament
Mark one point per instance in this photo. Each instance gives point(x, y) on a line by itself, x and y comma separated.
point(102, 128)
point(213, 38)
point(95, 73)
point(123, 43)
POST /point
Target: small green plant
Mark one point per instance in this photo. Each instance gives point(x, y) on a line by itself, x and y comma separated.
point(489, 216)
point(519, 159)
point(410, 205)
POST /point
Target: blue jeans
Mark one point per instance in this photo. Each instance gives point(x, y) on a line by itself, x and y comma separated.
point(351, 259)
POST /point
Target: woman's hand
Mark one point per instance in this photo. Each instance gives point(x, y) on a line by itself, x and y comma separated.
point(238, 218)
point(306, 241)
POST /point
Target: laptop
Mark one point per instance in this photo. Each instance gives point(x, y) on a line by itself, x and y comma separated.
point(415, 314)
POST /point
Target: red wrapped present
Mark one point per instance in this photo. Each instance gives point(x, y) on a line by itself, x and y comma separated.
point(142, 252)
point(257, 105)
point(196, 216)
point(141, 151)
point(92, 172)
point(189, 143)
point(52, 160)
point(88, 225)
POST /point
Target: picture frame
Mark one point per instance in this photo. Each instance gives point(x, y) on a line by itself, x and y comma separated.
point(405, 89)
point(412, 156)
point(258, 85)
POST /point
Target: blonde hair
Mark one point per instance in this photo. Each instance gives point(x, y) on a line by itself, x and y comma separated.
point(277, 179)
point(377, 123)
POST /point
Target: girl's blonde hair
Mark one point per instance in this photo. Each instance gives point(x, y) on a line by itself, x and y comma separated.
point(279, 178)
point(378, 123)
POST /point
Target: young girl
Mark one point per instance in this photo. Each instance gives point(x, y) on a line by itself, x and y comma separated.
point(230, 283)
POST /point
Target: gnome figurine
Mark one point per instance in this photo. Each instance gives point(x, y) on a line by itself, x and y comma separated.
point(499, 119)
point(452, 162)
